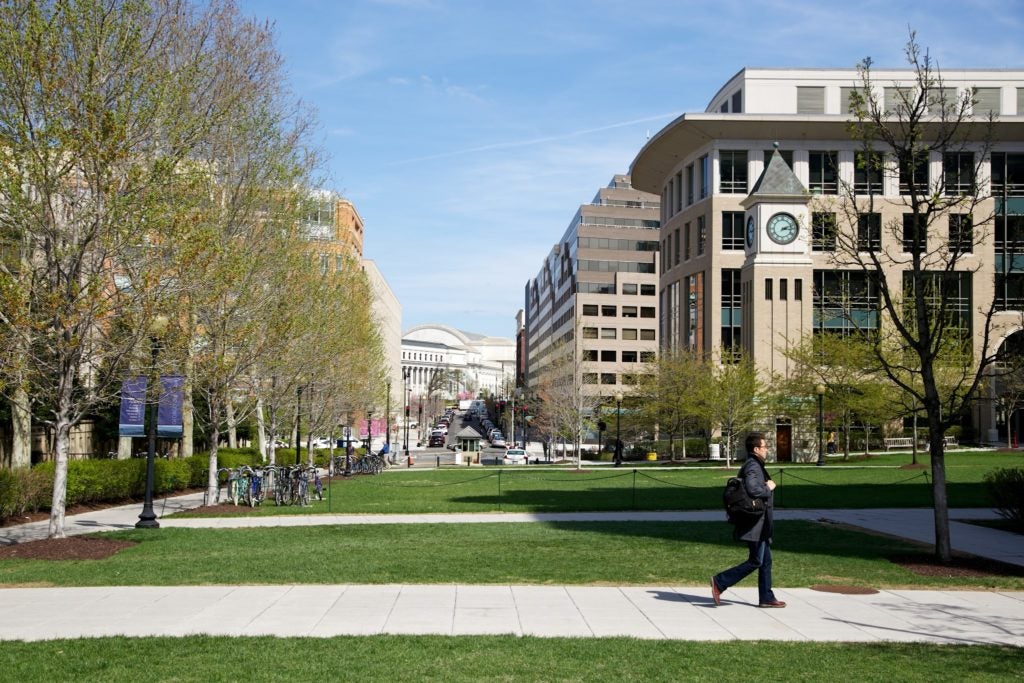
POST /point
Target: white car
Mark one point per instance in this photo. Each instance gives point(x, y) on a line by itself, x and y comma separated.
point(497, 441)
point(515, 456)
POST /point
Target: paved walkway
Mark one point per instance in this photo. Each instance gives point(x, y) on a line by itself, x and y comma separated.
point(652, 612)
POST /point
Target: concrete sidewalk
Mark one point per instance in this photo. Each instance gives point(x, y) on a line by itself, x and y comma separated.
point(654, 612)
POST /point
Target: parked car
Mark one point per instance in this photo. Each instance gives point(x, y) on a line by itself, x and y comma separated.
point(498, 442)
point(515, 456)
point(437, 440)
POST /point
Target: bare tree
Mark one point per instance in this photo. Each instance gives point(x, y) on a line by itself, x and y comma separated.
point(927, 318)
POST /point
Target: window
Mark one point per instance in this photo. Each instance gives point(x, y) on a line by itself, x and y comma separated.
point(847, 100)
point(590, 378)
point(798, 289)
point(824, 178)
point(647, 335)
point(732, 230)
point(867, 173)
point(845, 301)
point(629, 311)
point(677, 204)
point(675, 251)
point(810, 99)
point(732, 171)
point(648, 356)
point(737, 102)
point(783, 289)
point(702, 235)
point(590, 333)
point(869, 231)
point(607, 333)
point(608, 378)
point(629, 334)
point(647, 312)
point(629, 288)
point(914, 174)
point(958, 173)
point(732, 313)
point(608, 356)
point(686, 241)
point(590, 354)
point(939, 98)
point(986, 101)
point(608, 311)
point(961, 233)
point(589, 309)
point(898, 100)
point(1008, 171)
point(705, 176)
point(666, 254)
point(689, 184)
point(768, 289)
point(629, 356)
point(823, 231)
point(648, 290)
point(915, 233)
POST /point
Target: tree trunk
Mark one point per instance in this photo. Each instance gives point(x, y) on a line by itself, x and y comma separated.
point(229, 410)
point(211, 473)
point(261, 429)
point(187, 409)
point(60, 477)
point(21, 423)
point(124, 447)
point(940, 501)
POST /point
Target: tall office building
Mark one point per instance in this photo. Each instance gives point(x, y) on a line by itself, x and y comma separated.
point(599, 282)
point(750, 193)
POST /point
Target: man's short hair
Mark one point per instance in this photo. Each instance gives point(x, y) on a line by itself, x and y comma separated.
point(754, 440)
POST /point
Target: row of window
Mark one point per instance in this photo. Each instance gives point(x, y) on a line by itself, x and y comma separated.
point(630, 288)
point(609, 356)
point(429, 357)
point(810, 99)
point(958, 175)
point(676, 247)
point(627, 311)
point(617, 244)
point(608, 378)
point(628, 333)
point(614, 266)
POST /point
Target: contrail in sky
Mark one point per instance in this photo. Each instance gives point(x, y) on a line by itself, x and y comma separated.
point(535, 141)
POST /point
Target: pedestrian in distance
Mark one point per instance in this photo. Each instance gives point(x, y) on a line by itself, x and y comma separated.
point(756, 531)
point(831, 445)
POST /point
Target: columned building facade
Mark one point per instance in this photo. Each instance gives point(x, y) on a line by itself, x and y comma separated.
point(455, 364)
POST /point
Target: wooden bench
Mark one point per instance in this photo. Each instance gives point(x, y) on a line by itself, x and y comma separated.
point(898, 442)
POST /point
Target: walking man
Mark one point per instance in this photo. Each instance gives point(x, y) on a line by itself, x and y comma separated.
point(757, 532)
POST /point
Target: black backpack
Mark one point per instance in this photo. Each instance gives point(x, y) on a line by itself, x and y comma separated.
point(740, 508)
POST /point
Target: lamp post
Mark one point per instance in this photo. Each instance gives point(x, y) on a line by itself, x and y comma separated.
point(369, 432)
point(348, 449)
point(406, 390)
point(618, 433)
point(820, 391)
point(147, 518)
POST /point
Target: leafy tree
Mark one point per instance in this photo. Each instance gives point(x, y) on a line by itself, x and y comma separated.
point(665, 395)
point(730, 397)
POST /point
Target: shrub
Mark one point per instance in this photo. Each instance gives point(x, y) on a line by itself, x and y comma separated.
point(24, 490)
point(1006, 488)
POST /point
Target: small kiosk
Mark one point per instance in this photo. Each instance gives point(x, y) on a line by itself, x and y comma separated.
point(468, 444)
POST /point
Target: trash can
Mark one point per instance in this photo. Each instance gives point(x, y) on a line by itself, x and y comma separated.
point(715, 451)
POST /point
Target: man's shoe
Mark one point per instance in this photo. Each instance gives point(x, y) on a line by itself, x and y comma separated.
point(773, 603)
point(716, 594)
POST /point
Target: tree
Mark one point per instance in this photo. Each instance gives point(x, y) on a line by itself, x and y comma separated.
point(920, 278)
point(730, 397)
point(665, 394)
point(102, 105)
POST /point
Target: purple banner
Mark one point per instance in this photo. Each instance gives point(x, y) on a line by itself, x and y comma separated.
point(168, 421)
point(133, 407)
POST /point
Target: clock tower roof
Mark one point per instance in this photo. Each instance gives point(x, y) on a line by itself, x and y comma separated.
point(778, 179)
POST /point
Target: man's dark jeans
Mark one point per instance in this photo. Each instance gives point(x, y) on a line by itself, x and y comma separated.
point(760, 559)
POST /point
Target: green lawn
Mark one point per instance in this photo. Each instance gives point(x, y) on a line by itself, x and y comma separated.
point(580, 553)
point(494, 658)
point(876, 482)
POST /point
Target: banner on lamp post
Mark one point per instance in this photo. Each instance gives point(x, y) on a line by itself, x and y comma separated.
point(133, 407)
point(168, 421)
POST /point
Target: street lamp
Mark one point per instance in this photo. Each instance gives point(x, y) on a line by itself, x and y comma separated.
point(820, 391)
point(407, 391)
point(348, 448)
point(157, 328)
point(618, 439)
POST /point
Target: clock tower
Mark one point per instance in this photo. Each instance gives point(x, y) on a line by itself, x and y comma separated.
point(777, 274)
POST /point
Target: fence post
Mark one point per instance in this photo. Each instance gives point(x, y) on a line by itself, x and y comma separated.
point(499, 490)
point(634, 488)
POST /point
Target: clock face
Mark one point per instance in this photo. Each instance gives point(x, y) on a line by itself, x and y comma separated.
point(782, 228)
point(750, 232)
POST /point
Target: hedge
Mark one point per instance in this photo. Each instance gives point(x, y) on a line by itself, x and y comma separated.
point(100, 481)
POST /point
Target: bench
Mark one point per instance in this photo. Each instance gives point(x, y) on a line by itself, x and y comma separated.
point(898, 442)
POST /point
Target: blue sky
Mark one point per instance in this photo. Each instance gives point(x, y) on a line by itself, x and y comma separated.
point(467, 133)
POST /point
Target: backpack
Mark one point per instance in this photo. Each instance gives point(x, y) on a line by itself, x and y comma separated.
point(740, 508)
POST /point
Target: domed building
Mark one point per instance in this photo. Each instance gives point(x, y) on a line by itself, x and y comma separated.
point(451, 364)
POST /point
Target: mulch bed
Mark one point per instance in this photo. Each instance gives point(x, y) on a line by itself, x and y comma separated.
point(70, 548)
point(959, 567)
